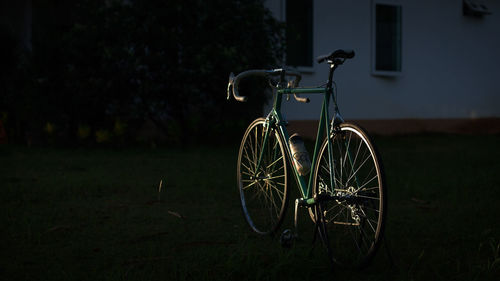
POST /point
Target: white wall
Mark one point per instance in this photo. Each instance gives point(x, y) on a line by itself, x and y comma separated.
point(450, 62)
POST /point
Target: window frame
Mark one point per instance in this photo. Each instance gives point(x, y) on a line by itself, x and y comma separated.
point(374, 71)
point(301, 68)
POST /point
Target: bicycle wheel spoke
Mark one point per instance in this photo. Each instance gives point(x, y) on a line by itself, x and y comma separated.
point(276, 161)
point(280, 198)
point(368, 218)
point(277, 170)
point(364, 237)
point(269, 197)
point(345, 155)
point(368, 197)
point(375, 210)
point(252, 142)
point(276, 177)
point(326, 171)
point(354, 238)
point(249, 185)
point(245, 173)
point(256, 145)
point(246, 167)
point(250, 161)
point(338, 213)
point(353, 163)
point(371, 226)
point(360, 166)
point(331, 210)
point(368, 221)
point(274, 187)
point(366, 183)
point(256, 193)
point(347, 148)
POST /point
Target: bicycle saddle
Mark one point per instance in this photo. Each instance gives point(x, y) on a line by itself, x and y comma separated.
point(338, 54)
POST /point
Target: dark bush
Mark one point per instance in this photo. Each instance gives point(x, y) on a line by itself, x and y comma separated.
point(99, 63)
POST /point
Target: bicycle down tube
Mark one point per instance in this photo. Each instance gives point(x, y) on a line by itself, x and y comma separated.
point(305, 184)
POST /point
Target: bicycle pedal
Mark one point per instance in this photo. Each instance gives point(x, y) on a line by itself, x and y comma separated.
point(287, 238)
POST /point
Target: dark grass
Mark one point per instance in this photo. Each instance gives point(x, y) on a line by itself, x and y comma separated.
point(97, 214)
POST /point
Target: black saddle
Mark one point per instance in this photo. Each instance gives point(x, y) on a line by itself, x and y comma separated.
point(335, 55)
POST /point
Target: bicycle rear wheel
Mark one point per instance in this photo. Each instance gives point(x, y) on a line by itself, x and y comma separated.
point(351, 227)
point(263, 188)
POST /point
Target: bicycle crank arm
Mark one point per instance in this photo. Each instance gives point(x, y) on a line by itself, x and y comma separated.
point(343, 198)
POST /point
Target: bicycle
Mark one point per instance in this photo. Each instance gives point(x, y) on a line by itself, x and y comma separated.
point(344, 191)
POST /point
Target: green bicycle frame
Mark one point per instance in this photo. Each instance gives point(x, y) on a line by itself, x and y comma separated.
point(276, 120)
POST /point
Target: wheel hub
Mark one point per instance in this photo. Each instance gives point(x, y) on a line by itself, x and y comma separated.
point(260, 177)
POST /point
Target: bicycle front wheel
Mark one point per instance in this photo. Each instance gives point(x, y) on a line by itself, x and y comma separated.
point(351, 226)
point(262, 186)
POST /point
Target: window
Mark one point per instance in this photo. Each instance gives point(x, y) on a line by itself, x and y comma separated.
point(386, 58)
point(299, 33)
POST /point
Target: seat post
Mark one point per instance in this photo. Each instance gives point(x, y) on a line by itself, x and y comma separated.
point(333, 66)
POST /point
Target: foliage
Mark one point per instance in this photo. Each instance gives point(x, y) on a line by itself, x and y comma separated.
point(167, 61)
point(16, 100)
point(102, 136)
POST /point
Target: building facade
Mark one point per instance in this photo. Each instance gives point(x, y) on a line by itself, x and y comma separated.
point(426, 59)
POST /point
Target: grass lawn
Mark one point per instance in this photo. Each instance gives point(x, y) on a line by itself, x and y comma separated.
point(98, 214)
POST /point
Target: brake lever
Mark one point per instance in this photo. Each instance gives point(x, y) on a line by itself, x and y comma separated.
point(229, 85)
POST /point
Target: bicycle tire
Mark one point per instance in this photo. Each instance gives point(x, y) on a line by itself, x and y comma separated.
point(263, 192)
point(352, 231)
